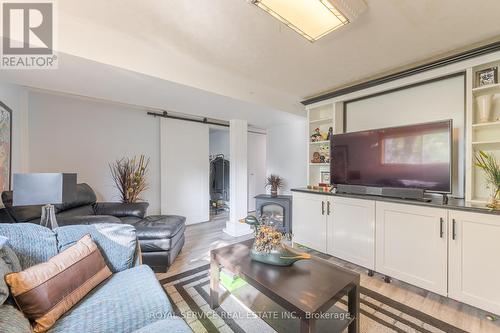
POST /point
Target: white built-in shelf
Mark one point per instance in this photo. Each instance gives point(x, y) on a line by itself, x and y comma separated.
point(487, 90)
point(494, 144)
point(319, 164)
point(478, 201)
point(322, 120)
point(320, 142)
point(489, 124)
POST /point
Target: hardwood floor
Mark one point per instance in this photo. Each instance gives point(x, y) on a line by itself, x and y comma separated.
point(200, 238)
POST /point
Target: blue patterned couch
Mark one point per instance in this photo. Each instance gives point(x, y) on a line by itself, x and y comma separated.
point(131, 300)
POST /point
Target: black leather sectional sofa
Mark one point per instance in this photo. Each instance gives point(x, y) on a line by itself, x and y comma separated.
point(161, 237)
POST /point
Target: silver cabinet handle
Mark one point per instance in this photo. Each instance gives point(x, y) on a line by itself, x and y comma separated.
point(441, 231)
point(453, 229)
point(322, 208)
point(328, 208)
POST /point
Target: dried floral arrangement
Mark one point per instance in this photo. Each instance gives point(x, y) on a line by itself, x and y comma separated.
point(275, 182)
point(267, 239)
point(129, 176)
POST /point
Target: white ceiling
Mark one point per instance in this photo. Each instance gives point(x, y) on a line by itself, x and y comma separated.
point(85, 78)
point(234, 49)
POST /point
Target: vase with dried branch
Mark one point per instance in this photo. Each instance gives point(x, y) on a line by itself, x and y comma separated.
point(129, 176)
point(491, 168)
point(274, 182)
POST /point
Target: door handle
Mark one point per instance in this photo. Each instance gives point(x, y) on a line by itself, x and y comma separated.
point(322, 208)
point(328, 208)
point(453, 229)
point(441, 231)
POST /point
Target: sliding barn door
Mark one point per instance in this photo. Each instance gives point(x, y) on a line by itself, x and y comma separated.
point(185, 170)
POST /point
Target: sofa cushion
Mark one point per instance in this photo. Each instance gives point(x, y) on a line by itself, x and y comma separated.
point(159, 232)
point(126, 302)
point(32, 243)
point(117, 242)
point(20, 213)
point(12, 320)
point(75, 212)
point(86, 219)
point(171, 325)
point(46, 291)
point(119, 209)
point(85, 196)
point(159, 226)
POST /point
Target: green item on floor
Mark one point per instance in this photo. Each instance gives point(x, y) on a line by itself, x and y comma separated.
point(231, 283)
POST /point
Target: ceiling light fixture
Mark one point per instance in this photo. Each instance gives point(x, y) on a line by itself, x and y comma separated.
point(313, 19)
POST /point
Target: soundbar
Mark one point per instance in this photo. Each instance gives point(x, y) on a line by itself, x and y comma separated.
point(393, 192)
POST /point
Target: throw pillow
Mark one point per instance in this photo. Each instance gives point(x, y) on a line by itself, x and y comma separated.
point(46, 291)
point(8, 264)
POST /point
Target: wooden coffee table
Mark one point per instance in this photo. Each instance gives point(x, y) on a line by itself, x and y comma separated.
point(308, 288)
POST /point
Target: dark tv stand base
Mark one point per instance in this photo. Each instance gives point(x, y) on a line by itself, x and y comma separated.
point(422, 200)
point(392, 192)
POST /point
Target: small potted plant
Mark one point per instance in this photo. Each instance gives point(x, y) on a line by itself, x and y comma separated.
point(491, 168)
point(274, 182)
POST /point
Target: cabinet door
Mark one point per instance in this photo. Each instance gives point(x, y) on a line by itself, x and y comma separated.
point(309, 220)
point(411, 244)
point(474, 267)
point(351, 231)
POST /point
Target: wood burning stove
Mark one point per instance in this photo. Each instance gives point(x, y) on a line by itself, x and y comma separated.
point(277, 209)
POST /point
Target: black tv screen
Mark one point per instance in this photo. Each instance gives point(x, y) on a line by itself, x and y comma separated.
point(415, 156)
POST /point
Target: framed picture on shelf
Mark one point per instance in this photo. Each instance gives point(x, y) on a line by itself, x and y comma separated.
point(5, 146)
point(325, 177)
point(486, 77)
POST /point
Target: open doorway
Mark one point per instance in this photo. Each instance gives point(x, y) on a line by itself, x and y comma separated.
point(219, 173)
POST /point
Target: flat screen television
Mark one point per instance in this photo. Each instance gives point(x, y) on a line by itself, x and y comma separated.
point(415, 156)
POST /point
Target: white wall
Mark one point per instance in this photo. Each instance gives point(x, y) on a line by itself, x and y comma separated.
point(287, 153)
point(69, 134)
point(257, 161)
point(16, 98)
point(219, 142)
point(185, 170)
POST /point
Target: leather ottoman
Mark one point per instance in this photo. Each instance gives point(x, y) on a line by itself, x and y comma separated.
point(161, 238)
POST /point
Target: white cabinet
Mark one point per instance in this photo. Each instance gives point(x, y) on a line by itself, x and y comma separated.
point(351, 231)
point(309, 220)
point(474, 265)
point(412, 244)
point(452, 253)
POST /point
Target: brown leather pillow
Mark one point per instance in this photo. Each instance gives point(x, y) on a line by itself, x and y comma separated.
point(46, 291)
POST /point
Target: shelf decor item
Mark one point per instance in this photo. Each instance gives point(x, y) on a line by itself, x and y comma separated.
point(325, 177)
point(316, 136)
point(486, 77)
point(491, 167)
point(484, 104)
point(274, 182)
point(268, 246)
point(129, 176)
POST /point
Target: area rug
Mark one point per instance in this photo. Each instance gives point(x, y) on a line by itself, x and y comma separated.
point(244, 309)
